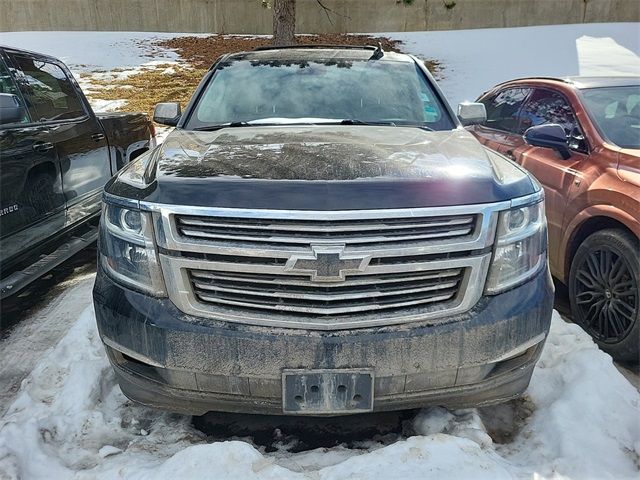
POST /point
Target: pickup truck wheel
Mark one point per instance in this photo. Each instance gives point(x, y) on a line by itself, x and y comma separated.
point(604, 292)
point(40, 195)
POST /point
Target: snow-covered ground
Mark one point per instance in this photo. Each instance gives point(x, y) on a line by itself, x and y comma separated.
point(580, 417)
point(580, 420)
point(473, 60)
point(476, 60)
point(93, 51)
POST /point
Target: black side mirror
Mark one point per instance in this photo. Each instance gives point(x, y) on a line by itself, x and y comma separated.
point(167, 113)
point(10, 109)
point(550, 135)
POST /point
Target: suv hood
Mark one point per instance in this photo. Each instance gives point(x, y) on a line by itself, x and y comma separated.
point(328, 168)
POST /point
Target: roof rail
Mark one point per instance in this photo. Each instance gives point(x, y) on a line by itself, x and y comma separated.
point(557, 79)
point(349, 47)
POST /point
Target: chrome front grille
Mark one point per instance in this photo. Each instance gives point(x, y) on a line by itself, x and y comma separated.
point(297, 295)
point(325, 270)
point(347, 231)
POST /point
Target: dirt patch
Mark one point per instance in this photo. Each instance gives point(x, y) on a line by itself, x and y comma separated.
point(201, 52)
point(144, 88)
point(503, 422)
point(296, 434)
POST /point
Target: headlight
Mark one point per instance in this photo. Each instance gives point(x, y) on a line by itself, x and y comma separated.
point(521, 247)
point(127, 250)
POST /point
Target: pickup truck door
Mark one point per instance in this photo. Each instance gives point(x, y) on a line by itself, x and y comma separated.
point(556, 175)
point(32, 204)
point(55, 99)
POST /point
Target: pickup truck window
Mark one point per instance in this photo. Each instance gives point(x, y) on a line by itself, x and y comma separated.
point(49, 93)
point(318, 90)
point(7, 85)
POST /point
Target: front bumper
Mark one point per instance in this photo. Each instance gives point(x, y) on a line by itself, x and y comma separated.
point(165, 359)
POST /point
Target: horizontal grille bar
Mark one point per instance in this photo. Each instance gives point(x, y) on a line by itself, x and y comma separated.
point(410, 229)
point(349, 283)
point(297, 295)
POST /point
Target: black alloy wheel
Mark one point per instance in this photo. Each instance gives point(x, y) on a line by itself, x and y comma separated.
point(604, 291)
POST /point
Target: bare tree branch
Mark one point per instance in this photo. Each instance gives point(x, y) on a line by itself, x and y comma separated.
point(327, 10)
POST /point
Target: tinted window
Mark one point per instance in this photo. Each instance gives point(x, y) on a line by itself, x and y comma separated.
point(8, 86)
point(502, 109)
point(49, 94)
point(317, 90)
point(546, 106)
point(616, 112)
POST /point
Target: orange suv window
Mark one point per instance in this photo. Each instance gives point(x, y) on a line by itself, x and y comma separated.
point(502, 108)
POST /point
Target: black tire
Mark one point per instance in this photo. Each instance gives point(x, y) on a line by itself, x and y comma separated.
point(39, 193)
point(604, 291)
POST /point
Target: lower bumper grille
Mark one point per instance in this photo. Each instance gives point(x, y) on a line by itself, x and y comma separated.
point(294, 294)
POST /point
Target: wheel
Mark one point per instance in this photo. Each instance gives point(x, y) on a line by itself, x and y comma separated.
point(40, 194)
point(604, 293)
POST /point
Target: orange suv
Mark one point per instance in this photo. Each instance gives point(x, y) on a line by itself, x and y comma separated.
point(580, 137)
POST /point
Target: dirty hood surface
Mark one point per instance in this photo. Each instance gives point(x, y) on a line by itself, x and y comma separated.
point(330, 167)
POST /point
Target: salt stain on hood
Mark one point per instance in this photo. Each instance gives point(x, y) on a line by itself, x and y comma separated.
point(326, 153)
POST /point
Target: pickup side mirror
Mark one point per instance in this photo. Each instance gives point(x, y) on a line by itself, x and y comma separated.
point(472, 113)
point(549, 135)
point(167, 113)
point(10, 109)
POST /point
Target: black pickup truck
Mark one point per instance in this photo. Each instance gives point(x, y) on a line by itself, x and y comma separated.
point(56, 155)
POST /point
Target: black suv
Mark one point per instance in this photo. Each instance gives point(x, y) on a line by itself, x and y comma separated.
point(55, 157)
point(320, 235)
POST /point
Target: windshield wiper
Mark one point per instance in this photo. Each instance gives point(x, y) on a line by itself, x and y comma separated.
point(355, 121)
point(346, 121)
point(211, 128)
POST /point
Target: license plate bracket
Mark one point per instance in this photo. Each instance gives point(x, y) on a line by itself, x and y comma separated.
point(331, 391)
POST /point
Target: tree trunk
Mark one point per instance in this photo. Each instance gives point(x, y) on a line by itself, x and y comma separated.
point(284, 22)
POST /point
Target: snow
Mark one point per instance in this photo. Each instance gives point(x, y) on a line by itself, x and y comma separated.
point(473, 60)
point(70, 420)
point(579, 419)
point(94, 51)
point(34, 336)
point(476, 60)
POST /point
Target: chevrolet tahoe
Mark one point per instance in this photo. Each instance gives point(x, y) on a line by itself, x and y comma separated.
point(320, 235)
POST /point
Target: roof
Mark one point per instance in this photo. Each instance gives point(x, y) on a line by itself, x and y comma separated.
point(26, 52)
point(596, 82)
point(584, 82)
point(322, 53)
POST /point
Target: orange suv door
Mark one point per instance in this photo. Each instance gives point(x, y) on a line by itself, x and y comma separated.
point(545, 105)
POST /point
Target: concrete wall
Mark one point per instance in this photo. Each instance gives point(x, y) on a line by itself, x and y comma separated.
point(248, 16)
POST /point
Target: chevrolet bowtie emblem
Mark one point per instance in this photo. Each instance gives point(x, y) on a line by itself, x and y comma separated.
point(327, 263)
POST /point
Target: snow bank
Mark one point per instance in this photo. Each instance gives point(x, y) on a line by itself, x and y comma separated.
point(476, 60)
point(70, 420)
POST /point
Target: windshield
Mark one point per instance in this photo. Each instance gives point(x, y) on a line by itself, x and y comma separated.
point(319, 91)
point(616, 111)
